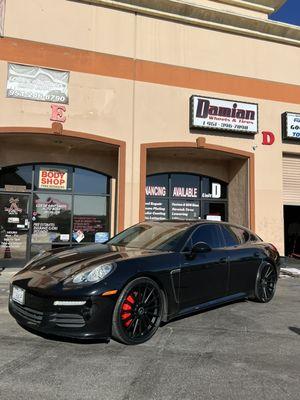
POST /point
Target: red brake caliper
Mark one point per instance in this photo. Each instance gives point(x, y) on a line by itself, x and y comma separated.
point(127, 310)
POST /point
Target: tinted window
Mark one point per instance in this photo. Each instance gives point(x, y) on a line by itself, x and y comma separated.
point(86, 181)
point(16, 176)
point(185, 186)
point(229, 236)
point(209, 234)
point(164, 236)
point(214, 211)
point(157, 185)
point(241, 234)
point(213, 189)
point(90, 220)
point(254, 238)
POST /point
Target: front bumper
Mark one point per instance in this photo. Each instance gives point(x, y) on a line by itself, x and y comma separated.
point(90, 321)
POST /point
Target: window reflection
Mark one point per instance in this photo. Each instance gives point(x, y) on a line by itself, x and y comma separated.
point(90, 221)
point(51, 218)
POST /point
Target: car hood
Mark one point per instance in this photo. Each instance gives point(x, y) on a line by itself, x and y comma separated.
point(59, 265)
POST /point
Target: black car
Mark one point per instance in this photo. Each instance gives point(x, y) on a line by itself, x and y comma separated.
point(151, 272)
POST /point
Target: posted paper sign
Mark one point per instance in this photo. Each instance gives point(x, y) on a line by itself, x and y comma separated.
point(53, 179)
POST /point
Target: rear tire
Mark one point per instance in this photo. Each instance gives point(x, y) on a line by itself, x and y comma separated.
point(138, 312)
point(265, 284)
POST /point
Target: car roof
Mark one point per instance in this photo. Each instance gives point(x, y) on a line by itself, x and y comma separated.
point(198, 222)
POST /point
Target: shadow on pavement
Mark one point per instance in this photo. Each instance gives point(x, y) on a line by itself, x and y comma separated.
point(294, 329)
point(64, 339)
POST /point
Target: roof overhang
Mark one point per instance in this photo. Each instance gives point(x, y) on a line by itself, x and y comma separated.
point(212, 18)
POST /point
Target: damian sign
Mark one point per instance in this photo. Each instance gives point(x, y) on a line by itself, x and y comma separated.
point(53, 179)
point(224, 115)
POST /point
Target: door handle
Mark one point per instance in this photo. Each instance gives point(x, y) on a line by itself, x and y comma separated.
point(223, 260)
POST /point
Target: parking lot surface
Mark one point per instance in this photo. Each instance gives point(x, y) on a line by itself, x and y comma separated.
point(243, 350)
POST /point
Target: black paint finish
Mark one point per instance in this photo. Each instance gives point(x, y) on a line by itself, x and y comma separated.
point(189, 281)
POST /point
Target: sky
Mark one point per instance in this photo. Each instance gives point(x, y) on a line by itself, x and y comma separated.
point(288, 13)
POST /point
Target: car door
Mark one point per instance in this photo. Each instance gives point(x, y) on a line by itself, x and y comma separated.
point(244, 257)
point(204, 275)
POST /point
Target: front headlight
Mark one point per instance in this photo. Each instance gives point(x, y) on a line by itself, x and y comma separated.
point(94, 274)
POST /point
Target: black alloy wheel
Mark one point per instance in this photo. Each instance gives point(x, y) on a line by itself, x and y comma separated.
point(265, 283)
point(138, 312)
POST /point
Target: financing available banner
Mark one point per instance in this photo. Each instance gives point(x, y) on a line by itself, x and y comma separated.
point(37, 83)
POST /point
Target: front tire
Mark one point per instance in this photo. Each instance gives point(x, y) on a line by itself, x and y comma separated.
point(138, 312)
point(265, 284)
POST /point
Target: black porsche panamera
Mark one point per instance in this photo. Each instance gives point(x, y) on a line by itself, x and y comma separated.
point(151, 272)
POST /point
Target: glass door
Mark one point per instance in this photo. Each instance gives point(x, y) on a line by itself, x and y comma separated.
point(14, 229)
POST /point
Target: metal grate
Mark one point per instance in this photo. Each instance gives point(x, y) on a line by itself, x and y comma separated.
point(67, 320)
point(29, 314)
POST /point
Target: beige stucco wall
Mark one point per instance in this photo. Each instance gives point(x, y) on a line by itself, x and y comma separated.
point(140, 112)
point(112, 31)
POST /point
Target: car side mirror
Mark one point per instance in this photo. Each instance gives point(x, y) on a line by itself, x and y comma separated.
point(200, 247)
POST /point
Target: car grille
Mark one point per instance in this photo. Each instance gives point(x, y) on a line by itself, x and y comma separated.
point(67, 320)
point(33, 316)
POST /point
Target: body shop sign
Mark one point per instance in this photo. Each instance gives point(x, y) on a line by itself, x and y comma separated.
point(291, 126)
point(53, 179)
point(219, 114)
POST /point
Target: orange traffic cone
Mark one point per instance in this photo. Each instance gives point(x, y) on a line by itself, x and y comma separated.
point(7, 253)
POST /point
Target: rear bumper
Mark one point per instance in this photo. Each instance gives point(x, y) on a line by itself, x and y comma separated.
point(91, 321)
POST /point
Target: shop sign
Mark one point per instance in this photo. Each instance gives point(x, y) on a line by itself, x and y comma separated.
point(53, 179)
point(37, 83)
point(57, 113)
point(291, 126)
point(268, 138)
point(158, 191)
point(226, 115)
point(2, 14)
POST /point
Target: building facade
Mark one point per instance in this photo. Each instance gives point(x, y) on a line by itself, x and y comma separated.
point(113, 112)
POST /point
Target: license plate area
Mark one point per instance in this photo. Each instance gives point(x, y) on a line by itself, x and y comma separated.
point(18, 295)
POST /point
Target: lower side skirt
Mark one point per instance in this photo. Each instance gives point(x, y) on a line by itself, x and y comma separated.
point(212, 303)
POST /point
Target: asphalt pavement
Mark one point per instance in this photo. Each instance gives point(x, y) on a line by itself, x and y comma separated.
point(243, 350)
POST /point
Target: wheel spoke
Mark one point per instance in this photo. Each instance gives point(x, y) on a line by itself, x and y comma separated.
point(144, 294)
point(135, 326)
point(149, 295)
point(265, 293)
point(269, 271)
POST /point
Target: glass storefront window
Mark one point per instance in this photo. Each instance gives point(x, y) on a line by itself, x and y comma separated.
point(63, 206)
point(16, 179)
point(214, 211)
point(185, 186)
point(90, 220)
point(14, 226)
point(157, 185)
point(51, 218)
point(90, 182)
point(213, 189)
point(184, 209)
point(179, 196)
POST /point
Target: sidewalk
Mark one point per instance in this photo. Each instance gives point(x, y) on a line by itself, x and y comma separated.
point(290, 266)
point(7, 274)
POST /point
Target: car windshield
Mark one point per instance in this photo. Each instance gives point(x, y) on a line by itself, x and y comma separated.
point(162, 236)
